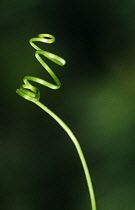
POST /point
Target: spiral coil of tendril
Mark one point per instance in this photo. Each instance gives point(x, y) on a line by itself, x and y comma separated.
point(28, 91)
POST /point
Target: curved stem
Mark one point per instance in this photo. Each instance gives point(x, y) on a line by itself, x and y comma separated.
point(78, 148)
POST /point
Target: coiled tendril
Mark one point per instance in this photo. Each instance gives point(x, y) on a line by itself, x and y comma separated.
point(31, 93)
point(27, 90)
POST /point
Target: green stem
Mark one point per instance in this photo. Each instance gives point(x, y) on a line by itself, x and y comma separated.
point(78, 148)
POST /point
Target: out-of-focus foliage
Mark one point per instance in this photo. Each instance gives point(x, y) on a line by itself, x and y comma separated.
point(39, 167)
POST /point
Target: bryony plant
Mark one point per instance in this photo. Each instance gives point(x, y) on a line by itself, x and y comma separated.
point(31, 93)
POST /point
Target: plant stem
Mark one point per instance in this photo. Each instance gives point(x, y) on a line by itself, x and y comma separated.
point(78, 148)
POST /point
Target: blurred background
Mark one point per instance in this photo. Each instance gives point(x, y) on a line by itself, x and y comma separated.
point(39, 166)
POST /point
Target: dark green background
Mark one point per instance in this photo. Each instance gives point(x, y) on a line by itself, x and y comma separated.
point(39, 166)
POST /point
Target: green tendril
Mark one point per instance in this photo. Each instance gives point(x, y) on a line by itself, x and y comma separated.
point(31, 93)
